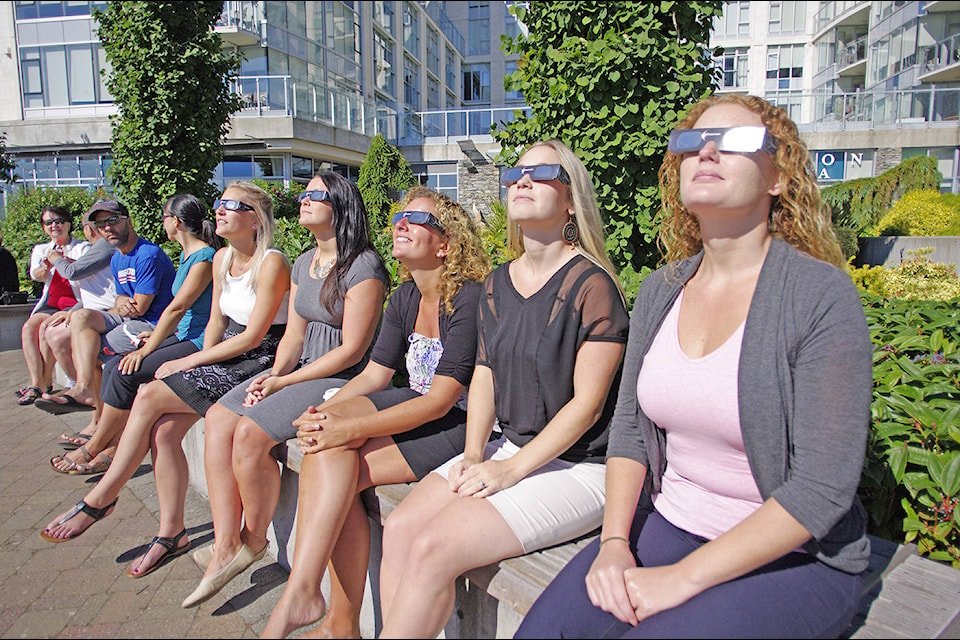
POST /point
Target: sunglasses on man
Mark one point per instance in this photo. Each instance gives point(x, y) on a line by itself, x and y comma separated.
point(418, 217)
point(317, 195)
point(232, 205)
point(537, 172)
point(728, 139)
point(111, 221)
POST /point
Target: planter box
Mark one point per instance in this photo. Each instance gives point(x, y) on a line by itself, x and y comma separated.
point(889, 251)
point(12, 317)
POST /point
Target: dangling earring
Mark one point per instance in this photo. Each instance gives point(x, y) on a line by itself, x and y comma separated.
point(571, 234)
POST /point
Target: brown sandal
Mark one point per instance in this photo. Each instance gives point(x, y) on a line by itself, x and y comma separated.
point(91, 464)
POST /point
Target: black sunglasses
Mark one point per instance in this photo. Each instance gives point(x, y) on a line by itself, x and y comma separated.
point(418, 217)
point(53, 221)
point(537, 172)
point(317, 195)
point(112, 221)
point(745, 139)
point(232, 205)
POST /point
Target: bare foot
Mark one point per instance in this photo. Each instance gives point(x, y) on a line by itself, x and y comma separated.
point(328, 629)
point(294, 610)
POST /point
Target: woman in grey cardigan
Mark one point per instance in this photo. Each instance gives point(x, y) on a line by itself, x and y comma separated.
point(746, 395)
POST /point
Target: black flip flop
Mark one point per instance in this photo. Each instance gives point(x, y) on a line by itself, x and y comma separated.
point(58, 408)
point(172, 551)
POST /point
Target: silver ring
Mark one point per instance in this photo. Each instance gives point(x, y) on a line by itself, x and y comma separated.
point(482, 485)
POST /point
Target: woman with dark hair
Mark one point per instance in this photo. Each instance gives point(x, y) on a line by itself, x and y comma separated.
point(373, 433)
point(248, 313)
point(743, 408)
point(58, 294)
point(178, 332)
point(338, 289)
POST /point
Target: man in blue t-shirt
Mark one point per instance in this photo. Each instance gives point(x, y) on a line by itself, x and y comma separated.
point(143, 276)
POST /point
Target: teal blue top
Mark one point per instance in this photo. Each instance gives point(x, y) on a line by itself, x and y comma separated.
point(194, 321)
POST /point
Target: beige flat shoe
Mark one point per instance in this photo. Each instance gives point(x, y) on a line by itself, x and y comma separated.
point(203, 556)
point(212, 584)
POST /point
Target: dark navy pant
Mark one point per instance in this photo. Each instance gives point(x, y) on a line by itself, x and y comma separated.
point(118, 390)
point(793, 597)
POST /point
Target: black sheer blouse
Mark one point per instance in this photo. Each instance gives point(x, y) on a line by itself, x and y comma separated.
point(531, 344)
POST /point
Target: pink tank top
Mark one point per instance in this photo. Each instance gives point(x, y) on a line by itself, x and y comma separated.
point(707, 487)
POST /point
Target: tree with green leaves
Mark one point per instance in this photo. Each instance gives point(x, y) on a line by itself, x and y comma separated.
point(170, 80)
point(7, 165)
point(611, 80)
point(384, 175)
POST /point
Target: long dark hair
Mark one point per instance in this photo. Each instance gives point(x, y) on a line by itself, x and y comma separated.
point(190, 211)
point(352, 230)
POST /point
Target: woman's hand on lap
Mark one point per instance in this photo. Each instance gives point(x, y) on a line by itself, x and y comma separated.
point(606, 581)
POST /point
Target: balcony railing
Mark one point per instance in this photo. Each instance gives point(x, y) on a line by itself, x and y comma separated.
point(458, 124)
point(939, 55)
point(927, 107)
point(240, 14)
point(852, 53)
point(829, 11)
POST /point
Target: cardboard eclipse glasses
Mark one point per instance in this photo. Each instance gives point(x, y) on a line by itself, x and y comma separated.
point(729, 139)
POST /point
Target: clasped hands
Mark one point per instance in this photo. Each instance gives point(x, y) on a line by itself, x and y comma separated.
point(480, 479)
point(321, 429)
point(261, 387)
point(630, 593)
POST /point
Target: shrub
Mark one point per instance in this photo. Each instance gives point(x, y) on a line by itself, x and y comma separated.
point(918, 213)
point(914, 279)
point(21, 225)
point(285, 203)
point(292, 238)
point(911, 479)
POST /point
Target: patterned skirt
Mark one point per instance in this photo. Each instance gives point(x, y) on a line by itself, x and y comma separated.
point(200, 388)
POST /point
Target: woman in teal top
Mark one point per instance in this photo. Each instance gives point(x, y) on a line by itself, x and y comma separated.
point(185, 221)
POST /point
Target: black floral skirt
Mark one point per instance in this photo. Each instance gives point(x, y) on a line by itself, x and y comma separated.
point(200, 388)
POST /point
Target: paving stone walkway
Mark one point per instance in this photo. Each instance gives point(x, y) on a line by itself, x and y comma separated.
point(79, 589)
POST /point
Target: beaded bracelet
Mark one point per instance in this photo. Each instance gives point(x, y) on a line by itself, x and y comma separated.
point(603, 542)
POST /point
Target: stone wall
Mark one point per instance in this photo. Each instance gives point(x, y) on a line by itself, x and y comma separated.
point(887, 157)
point(477, 186)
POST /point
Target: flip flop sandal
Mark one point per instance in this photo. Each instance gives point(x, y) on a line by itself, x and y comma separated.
point(69, 442)
point(30, 395)
point(72, 468)
point(100, 464)
point(96, 513)
point(22, 390)
point(172, 551)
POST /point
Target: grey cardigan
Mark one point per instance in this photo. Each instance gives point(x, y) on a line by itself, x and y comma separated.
point(805, 387)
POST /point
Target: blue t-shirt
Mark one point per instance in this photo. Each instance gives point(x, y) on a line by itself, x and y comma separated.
point(194, 321)
point(146, 270)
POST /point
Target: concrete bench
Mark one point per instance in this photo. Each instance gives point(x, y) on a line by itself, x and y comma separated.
point(904, 595)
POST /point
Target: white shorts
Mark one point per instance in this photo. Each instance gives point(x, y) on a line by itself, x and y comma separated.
point(558, 502)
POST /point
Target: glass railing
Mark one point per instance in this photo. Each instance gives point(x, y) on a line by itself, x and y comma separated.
point(939, 55)
point(852, 53)
point(830, 11)
point(459, 124)
point(446, 25)
point(925, 107)
point(240, 14)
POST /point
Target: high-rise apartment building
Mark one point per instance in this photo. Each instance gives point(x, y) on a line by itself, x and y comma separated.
point(870, 83)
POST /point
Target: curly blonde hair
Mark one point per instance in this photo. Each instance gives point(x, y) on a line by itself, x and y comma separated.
point(798, 215)
point(466, 258)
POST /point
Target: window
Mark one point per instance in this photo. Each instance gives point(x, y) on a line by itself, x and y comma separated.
point(433, 52)
point(509, 67)
point(433, 94)
point(411, 83)
point(784, 67)
point(411, 29)
point(478, 28)
point(450, 66)
point(476, 82)
point(383, 15)
point(511, 26)
point(383, 64)
point(732, 65)
point(787, 17)
point(63, 75)
point(789, 100)
point(734, 21)
point(31, 10)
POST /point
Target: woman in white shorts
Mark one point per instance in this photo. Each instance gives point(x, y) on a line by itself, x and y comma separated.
point(552, 329)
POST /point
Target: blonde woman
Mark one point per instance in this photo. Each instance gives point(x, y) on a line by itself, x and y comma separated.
point(247, 318)
point(371, 433)
point(552, 329)
point(744, 407)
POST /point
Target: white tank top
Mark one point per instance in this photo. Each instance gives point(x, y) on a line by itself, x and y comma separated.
point(237, 299)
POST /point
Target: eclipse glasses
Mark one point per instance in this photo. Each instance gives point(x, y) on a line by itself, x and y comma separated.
point(537, 172)
point(418, 217)
point(232, 205)
point(317, 195)
point(729, 139)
